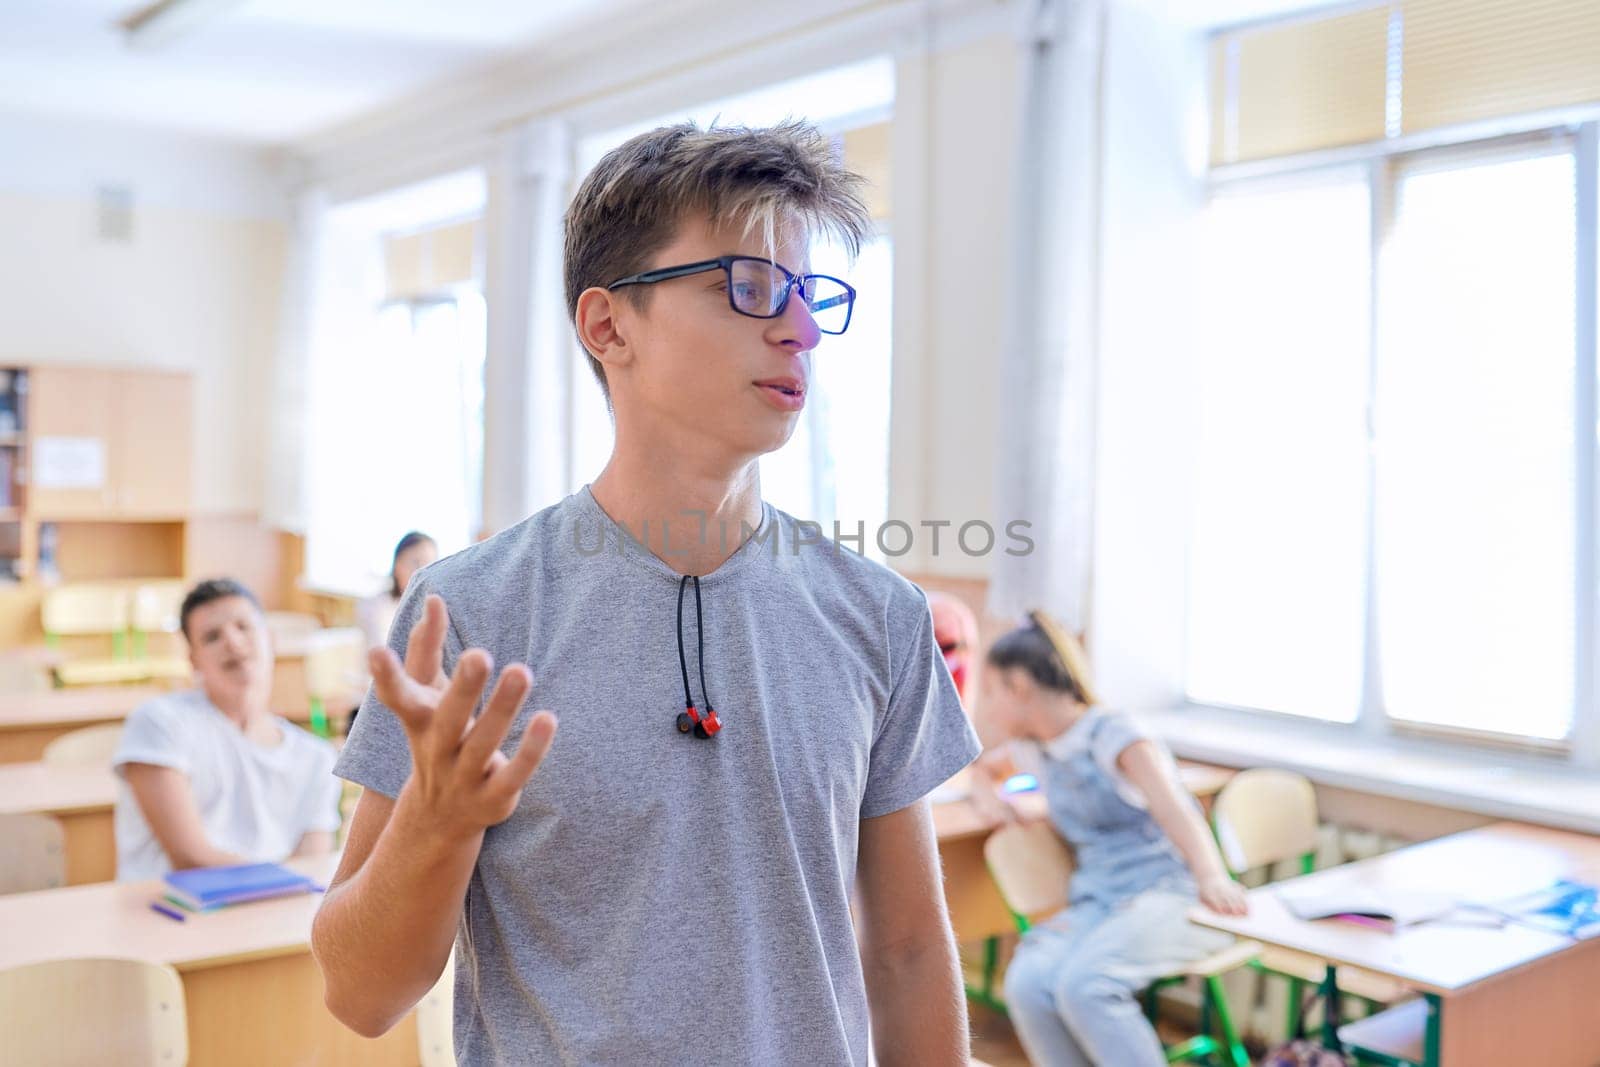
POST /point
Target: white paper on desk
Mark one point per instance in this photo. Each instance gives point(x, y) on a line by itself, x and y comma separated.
point(69, 463)
point(1401, 907)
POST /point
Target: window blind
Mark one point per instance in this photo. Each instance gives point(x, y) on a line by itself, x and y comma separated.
point(1300, 85)
point(1466, 60)
point(1406, 66)
point(866, 151)
point(427, 262)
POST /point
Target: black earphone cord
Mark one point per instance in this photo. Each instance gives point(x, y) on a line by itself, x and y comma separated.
point(709, 719)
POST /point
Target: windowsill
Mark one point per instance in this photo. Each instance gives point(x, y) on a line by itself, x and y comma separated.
point(1484, 782)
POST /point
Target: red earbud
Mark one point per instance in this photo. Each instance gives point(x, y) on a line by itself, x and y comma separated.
point(709, 724)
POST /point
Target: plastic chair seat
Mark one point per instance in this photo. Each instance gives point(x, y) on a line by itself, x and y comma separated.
point(1223, 960)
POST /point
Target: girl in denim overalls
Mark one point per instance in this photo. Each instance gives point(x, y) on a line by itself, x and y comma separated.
point(1142, 856)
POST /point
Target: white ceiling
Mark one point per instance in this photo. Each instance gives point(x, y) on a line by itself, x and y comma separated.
point(273, 71)
point(265, 70)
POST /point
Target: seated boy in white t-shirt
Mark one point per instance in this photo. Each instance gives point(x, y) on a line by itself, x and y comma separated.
point(210, 776)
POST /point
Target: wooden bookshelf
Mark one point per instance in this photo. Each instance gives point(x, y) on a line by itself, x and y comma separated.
point(124, 513)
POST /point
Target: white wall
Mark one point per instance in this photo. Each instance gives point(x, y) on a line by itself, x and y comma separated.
point(1146, 417)
point(199, 286)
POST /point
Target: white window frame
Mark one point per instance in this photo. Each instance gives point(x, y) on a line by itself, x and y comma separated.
point(1581, 747)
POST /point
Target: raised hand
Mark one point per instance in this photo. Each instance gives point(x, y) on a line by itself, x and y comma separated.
point(460, 779)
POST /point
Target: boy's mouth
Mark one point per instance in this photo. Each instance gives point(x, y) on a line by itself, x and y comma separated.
point(785, 394)
point(789, 387)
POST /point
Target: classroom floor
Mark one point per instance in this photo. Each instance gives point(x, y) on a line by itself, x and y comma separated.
point(995, 1042)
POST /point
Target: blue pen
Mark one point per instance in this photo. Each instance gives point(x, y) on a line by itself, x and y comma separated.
point(168, 912)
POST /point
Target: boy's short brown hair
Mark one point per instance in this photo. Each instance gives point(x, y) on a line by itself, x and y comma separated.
point(631, 204)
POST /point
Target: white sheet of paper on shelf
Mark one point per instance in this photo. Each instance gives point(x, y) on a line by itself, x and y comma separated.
point(69, 462)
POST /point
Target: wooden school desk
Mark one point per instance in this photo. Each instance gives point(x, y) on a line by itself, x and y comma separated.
point(976, 910)
point(1498, 996)
point(81, 799)
point(253, 993)
point(29, 721)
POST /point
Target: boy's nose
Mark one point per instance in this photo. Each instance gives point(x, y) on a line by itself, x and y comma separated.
point(796, 327)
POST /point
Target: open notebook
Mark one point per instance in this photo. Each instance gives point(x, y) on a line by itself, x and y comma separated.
point(1388, 908)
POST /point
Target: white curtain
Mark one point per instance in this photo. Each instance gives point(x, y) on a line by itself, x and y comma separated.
point(286, 503)
point(529, 376)
point(1045, 466)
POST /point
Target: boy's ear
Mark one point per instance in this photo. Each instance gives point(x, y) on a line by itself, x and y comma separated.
point(598, 329)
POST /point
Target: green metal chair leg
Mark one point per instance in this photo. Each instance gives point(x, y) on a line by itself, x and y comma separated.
point(1230, 1034)
point(319, 718)
point(1229, 1049)
point(984, 994)
point(1330, 1009)
point(1430, 1032)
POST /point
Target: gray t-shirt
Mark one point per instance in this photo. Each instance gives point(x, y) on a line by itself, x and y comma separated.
point(658, 898)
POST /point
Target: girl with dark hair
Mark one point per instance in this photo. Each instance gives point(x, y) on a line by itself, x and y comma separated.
point(1142, 855)
point(415, 551)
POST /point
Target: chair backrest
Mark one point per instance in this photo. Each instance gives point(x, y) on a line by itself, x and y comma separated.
point(21, 673)
point(92, 746)
point(33, 853)
point(94, 1011)
point(156, 607)
point(436, 1022)
point(1264, 815)
point(336, 662)
point(1031, 867)
point(86, 608)
point(283, 624)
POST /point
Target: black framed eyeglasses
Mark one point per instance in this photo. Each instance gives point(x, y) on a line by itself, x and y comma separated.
point(760, 289)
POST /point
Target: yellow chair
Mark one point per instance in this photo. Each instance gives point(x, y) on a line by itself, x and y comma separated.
point(1031, 866)
point(155, 609)
point(336, 671)
point(33, 853)
point(87, 609)
point(91, 609)
point(1265, 816)
point(436, 1020)
point(71, 1012)
point(92, 746)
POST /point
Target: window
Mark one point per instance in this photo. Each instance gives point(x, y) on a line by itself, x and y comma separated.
point(1476, 476)
point(1467, 612)
point(1278, 556)
point(395, 383)
point(836, 466)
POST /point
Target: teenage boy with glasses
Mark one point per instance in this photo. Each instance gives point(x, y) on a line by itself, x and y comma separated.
point(671, 879)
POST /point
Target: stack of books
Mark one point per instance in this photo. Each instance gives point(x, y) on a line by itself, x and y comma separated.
point(209, 888)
